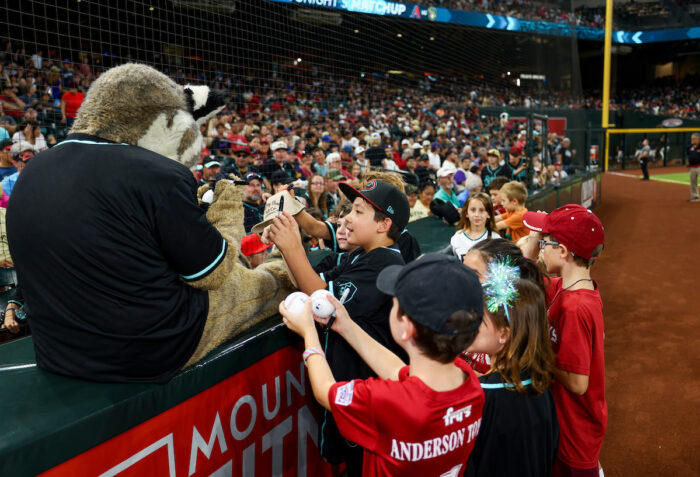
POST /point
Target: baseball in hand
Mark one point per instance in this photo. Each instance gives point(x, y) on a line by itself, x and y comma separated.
point(320, 306)
point(295, 302)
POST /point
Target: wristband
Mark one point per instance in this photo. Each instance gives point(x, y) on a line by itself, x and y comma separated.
point(11, 308)
point(308, 352)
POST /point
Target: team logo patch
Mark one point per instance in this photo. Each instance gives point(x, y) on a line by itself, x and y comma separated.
point(343, 397)
point(347, 285)
point(390, 209)
point(370, 186)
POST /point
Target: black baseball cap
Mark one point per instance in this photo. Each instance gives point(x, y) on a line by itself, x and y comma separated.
point(280, 177)
point(384, 197)
point(253, 175)
point(430, 306)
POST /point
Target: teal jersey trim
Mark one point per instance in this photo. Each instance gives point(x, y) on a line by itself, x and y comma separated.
point(527, 382)
point(210, 266)
point(92, 143)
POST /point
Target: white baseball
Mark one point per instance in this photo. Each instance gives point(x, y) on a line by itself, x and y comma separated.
point(208, 196)
point(295, 302)
point(320, 305)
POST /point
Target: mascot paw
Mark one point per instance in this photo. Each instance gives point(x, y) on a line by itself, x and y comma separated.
point(226, 210)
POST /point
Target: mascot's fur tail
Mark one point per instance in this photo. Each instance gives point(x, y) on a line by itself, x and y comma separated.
point(239, 297)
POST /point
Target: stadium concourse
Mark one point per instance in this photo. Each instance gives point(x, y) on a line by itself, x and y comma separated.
point(646, 277)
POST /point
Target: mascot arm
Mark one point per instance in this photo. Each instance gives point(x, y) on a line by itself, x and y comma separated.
point(190, 243)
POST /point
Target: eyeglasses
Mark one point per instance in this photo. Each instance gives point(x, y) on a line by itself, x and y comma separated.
point(544, 243)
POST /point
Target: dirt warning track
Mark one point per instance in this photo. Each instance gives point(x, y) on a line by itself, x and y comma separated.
point(649, 277)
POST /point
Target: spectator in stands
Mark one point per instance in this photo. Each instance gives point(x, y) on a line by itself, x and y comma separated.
point(279, 181)
point(7, 167)
point(21, 155)
point(70, 102)
point(316, 195)
point(564, 154)
point(421, 208)
point(376, 154)
point(518, 164)
point(494, 189)
point(30, 134)
point(319, 164)
point(493, 168)
point(424, 171)
point(446, 182)
point(210, 168)
point(332, 178)
point(253, 203)
point(12, 105)
point(514, 195)
point(278, 162)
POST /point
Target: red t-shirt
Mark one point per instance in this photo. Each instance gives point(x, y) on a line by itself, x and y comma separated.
point(405, 427)
point(577, 333)
point(73, 102)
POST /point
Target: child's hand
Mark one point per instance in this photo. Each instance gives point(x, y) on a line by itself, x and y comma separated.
point(284, 232)
point(342, 318)
point(300, 323)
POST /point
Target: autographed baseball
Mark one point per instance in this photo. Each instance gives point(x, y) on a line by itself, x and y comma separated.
point(295, 302)
point(320, 306)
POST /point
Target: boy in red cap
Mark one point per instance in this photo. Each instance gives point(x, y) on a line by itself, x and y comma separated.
point(254, 250)
point(570, 238)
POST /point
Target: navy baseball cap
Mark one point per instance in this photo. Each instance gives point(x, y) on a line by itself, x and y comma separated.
point(459, 290)
point(384, 197)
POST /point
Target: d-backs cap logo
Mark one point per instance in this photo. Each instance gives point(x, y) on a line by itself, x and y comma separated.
point(390, 209)
point(370, 186)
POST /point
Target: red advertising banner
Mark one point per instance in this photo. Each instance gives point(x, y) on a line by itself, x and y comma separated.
point(261, 421)
point(554, 124)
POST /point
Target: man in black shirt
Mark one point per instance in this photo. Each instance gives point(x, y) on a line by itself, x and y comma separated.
point(253, 203)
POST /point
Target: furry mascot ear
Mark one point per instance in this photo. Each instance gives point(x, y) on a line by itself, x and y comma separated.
point(203, 102)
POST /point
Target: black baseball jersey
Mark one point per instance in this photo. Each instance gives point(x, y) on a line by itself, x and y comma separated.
point(105, 237)
point(370, 309)
point(252, 215)
point(330, 261)
point(518, 435)
point(488, 174)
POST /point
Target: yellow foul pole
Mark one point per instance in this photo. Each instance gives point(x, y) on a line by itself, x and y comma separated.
point(606, 74)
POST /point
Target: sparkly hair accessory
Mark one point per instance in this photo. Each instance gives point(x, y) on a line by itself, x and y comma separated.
point(500, 287)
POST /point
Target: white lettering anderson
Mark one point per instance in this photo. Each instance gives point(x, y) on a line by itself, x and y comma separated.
point(414, 451)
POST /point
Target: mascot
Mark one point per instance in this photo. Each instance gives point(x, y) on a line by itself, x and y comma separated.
point(124, 275)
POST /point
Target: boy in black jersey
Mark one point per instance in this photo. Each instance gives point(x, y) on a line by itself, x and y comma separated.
point(379, 214)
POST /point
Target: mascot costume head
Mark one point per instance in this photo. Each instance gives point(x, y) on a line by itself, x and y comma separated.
point(138, 105)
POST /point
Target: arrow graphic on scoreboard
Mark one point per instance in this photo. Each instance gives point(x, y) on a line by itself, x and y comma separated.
point(635, 37)
point(491, 20)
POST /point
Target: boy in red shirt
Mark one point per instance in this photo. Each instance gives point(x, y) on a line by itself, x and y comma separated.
point(420, 419)
point(570, 238)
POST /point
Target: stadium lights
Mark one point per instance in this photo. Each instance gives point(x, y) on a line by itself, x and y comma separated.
point(432, 38)
point(151, 8)
point(356, 30)
point(298, 60)
point(399, 35)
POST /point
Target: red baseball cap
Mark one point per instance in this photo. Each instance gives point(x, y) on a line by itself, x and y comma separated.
point(571, 225)
point(251, 244)
point(516, 151)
